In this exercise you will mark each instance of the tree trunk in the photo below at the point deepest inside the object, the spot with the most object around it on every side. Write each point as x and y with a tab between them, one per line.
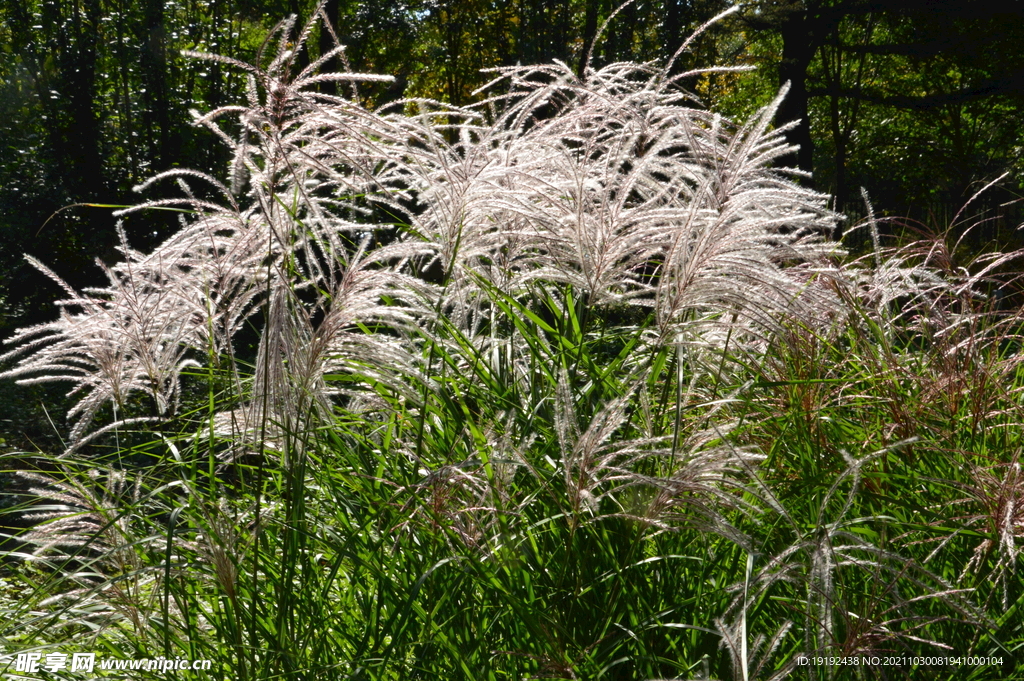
798	48
331	10
589	33
156	117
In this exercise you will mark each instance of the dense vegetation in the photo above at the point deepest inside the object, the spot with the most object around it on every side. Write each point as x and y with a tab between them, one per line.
569	377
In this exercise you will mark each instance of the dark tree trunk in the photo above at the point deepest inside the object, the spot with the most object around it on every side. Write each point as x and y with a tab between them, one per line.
589	33
76	130
798	48
672	29
156	116
331	10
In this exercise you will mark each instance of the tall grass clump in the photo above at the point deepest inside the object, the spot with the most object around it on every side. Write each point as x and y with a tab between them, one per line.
572	383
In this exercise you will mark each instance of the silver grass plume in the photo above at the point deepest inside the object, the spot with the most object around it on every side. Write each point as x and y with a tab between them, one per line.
288	250
84	519
654	481
620	185
615	183
131	336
